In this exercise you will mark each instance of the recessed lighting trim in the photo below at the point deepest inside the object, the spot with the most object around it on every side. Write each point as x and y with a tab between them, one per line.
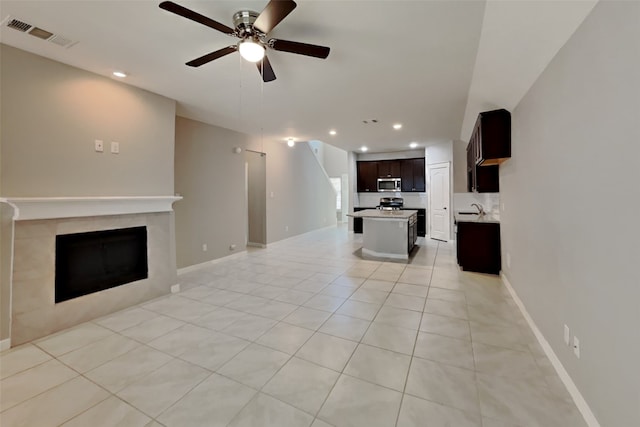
397	126
120	74
291	142
332	132
413	145
363	148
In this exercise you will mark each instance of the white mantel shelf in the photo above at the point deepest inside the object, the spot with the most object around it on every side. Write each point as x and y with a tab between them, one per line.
30	208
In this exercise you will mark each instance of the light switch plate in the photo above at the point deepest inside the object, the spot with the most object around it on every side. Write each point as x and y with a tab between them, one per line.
115	147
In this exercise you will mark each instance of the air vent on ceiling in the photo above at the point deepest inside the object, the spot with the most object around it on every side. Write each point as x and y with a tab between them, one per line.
43	34
18	25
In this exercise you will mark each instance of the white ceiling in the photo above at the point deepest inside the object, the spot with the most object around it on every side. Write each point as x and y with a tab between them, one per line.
430	65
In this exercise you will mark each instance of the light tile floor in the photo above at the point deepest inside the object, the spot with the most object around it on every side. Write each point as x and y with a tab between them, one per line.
303	333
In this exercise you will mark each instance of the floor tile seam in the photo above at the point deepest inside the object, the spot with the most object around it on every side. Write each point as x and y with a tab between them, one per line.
41	392
102	401
348	361
415	342
139	344
35	342
479	413
32	367
171	358
211	373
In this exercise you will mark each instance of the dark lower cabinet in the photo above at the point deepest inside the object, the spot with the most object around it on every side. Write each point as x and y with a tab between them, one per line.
478	247
357	222
421	225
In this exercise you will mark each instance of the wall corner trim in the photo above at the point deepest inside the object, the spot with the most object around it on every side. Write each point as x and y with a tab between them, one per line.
578	399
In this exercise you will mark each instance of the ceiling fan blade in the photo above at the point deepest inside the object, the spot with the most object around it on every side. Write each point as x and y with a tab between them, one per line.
195	16
300	48
211	56
273	13
264	67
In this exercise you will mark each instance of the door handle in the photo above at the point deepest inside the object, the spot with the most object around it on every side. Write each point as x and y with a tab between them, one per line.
445	208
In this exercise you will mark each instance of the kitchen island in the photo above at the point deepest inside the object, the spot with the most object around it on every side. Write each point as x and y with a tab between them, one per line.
388	233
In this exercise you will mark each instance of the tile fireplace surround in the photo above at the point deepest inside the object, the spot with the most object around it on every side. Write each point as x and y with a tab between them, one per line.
34	313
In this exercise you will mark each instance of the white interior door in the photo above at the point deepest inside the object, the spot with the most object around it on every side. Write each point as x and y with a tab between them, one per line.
440	212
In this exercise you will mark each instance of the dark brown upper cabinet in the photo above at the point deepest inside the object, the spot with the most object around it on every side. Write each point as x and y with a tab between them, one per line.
491	137
490	145
412	174
411	171
389	169
367	176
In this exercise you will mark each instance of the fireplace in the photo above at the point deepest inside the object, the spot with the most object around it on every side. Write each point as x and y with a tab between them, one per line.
95	261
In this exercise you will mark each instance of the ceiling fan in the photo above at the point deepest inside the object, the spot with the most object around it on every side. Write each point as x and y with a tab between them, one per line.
252	29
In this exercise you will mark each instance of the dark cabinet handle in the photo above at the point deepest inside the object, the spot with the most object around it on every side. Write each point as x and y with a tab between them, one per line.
445	208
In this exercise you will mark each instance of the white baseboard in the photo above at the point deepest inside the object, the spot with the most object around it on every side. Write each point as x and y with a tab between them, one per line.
5	344
578	399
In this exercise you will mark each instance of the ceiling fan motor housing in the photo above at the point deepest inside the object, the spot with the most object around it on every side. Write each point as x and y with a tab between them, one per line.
243	22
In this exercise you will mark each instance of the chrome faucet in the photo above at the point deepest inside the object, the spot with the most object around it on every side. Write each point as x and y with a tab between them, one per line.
480	208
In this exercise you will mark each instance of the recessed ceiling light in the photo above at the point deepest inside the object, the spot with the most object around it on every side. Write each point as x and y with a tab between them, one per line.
413	145
363	148
119	74
291	142
332	132
397	126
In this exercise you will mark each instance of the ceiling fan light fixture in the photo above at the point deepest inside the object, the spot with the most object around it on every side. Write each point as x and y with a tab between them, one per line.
250	50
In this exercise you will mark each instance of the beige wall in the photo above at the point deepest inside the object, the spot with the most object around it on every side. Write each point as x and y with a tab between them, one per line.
211	178
51	115
570	219
256	196
303	198
6	242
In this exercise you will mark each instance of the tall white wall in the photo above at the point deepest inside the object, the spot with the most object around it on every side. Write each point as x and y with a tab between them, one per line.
570	218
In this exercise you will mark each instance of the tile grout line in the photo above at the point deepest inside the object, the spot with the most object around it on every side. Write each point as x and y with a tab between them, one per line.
415	343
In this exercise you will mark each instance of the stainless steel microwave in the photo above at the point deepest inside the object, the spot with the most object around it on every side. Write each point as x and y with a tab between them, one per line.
389	184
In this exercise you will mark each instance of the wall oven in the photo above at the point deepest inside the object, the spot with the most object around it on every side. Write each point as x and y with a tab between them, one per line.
389	184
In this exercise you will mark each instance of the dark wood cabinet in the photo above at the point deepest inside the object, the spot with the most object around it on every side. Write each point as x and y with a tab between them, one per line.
411	171
388	168
357	222
492	137
367	176
490	145
413	175
478	247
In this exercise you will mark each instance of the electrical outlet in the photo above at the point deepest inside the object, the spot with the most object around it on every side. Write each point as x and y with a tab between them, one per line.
286	228
576	347
99	146
204	247
232	247
175	288
567	335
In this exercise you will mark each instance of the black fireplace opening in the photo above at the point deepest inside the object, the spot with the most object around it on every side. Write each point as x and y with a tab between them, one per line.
99	260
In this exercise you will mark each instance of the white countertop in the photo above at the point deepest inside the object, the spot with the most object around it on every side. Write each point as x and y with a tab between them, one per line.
486	218
380	214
